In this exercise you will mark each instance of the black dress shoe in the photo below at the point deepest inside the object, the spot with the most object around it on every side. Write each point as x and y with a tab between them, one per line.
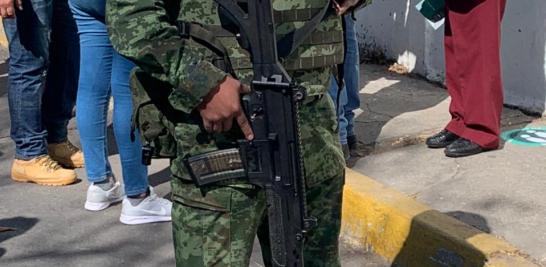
462	148
441	139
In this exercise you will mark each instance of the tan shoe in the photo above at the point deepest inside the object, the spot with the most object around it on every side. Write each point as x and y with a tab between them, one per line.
66	154
41	170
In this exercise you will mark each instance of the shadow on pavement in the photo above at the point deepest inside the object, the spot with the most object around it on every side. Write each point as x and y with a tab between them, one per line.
111	138
393	96
403	95
415	250
3	79
475	220
122	253
20	225
6	156
387	95
68	237
161	177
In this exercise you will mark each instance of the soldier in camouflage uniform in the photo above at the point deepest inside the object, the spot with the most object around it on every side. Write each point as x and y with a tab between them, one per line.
216	225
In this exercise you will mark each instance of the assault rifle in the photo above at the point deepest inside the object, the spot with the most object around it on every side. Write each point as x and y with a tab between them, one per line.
273	159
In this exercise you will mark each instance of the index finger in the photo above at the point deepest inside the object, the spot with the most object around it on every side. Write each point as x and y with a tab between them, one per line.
245	126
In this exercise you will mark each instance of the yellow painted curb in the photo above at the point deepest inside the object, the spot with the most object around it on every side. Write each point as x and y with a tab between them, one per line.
411	234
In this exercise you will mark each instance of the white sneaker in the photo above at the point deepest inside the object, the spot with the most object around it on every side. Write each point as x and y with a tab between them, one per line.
98	199
150	209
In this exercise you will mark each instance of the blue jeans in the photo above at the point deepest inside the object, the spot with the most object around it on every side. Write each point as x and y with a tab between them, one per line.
349	99
105	73
43	75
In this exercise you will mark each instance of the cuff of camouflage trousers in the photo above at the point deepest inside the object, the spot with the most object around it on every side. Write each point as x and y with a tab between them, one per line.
198	81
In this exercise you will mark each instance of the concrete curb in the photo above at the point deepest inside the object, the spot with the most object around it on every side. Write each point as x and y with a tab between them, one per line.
408	233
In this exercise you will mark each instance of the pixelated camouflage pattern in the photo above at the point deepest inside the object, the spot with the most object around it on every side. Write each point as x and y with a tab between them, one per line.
205	13
322	245
148	121
323	157
149	38
143	31
215	226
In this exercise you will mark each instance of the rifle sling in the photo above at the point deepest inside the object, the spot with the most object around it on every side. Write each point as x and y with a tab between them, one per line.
290	42
207	35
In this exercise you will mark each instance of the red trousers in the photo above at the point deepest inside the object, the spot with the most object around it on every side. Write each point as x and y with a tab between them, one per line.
473	69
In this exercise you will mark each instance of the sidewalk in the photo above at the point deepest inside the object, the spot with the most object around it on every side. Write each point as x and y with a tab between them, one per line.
499	192
401	110
53	229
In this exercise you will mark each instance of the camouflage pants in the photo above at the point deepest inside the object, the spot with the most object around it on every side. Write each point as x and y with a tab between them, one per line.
216	225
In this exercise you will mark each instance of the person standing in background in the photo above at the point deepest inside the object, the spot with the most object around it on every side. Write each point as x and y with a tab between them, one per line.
349	97
43	77
105	73
473	77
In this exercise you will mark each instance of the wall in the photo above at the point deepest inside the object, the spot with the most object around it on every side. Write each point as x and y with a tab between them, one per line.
396	29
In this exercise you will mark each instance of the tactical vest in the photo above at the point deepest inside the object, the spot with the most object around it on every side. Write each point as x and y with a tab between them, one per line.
321	48
153	115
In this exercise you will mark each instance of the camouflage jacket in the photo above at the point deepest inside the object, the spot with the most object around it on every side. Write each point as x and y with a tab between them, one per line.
145	32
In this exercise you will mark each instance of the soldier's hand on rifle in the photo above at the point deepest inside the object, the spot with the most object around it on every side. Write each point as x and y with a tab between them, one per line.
342	6
7	8
222	105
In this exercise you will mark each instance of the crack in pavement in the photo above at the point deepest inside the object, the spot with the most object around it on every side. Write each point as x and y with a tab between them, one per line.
456	173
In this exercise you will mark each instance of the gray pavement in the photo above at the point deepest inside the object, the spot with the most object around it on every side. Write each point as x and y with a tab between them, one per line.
500	192
401	110
53	229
